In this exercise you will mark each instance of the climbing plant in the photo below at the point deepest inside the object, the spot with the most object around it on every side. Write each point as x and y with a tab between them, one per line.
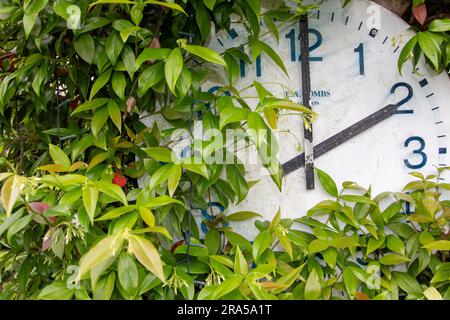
95	205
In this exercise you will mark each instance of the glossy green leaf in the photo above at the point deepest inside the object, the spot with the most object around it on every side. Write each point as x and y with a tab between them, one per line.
313	288
146	253
205	53
112	190
99	120
114	114
128	273
101	81
327	182
172	68
119	84
85	47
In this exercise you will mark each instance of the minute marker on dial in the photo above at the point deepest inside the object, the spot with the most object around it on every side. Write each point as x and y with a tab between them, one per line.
341	137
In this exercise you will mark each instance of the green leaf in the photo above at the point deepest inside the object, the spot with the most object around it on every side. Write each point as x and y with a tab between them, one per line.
242	216
90	105
170	5
56	291
313	288
119	84
129	60
156	229
203	20
288	279
114	114
112	190
39	78
8	222
199	168
395	244
99	119
147	216
174	179
59	157
238	240
227	286
351	281
146	253
232	114
101	81
213	241
128	274
18	226
430	46
9	193
58	243
85	47
374	244
90	197
172	68
152	54
240	264
317	246
105	287
406	52
160	154
327	182
106	249
343	242
115	213
162	201
407	283
442	245
258	46
237	181
150	76
255	5
210	4
113	47
160	176
281	235
32	9
357	199
262	241
432	294
205	53
392	259
275	103
440	25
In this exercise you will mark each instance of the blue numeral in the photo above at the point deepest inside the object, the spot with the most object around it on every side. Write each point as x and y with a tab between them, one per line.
258	67
291	36
360	50
292	39
418	151
405	100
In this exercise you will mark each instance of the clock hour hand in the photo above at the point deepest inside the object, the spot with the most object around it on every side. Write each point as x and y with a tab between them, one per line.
341	137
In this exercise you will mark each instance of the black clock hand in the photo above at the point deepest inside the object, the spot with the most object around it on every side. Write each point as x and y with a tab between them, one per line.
306	94
341	137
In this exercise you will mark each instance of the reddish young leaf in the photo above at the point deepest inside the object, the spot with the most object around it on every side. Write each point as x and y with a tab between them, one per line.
39	207
420	13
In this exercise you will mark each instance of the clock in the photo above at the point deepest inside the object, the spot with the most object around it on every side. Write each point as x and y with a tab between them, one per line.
374	125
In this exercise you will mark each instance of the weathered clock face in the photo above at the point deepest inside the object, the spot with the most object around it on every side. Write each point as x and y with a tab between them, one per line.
353	74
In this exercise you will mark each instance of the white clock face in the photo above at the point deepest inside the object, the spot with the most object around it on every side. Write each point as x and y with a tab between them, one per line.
353	74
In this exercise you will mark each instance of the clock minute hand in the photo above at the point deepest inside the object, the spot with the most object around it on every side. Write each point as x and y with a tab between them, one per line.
341	137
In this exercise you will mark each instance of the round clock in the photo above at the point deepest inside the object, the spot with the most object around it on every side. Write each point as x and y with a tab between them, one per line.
374	126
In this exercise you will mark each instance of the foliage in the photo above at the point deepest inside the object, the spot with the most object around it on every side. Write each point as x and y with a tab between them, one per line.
76	77
75	223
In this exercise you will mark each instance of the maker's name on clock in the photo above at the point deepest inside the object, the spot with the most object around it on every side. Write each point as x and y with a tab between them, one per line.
314	94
